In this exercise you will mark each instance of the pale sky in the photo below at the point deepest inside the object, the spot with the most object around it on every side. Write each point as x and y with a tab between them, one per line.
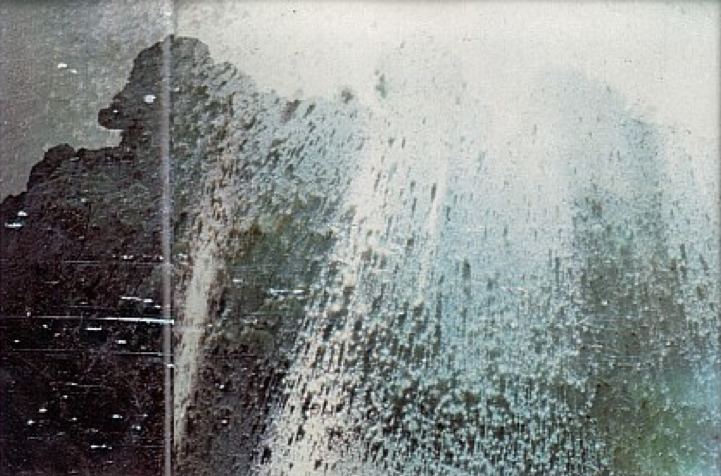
663	57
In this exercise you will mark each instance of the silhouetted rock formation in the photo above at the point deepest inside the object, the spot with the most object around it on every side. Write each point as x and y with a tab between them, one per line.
81	247
255	181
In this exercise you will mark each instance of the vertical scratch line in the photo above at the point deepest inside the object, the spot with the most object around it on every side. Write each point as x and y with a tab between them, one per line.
167	263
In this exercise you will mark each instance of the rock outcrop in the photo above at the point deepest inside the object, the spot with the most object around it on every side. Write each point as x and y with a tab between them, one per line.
255	180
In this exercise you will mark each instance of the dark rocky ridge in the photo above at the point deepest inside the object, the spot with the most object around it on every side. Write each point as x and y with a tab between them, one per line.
256	180
85	234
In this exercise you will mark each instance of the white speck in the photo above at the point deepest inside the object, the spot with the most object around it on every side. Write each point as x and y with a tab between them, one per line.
62	65
221	386
137	427
22	214
73	71
149	98
224	421
13	225
64	397
127	257
73	419
16	341
42	410
121	342
147	300
170	366
95	329
31	422
116	416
